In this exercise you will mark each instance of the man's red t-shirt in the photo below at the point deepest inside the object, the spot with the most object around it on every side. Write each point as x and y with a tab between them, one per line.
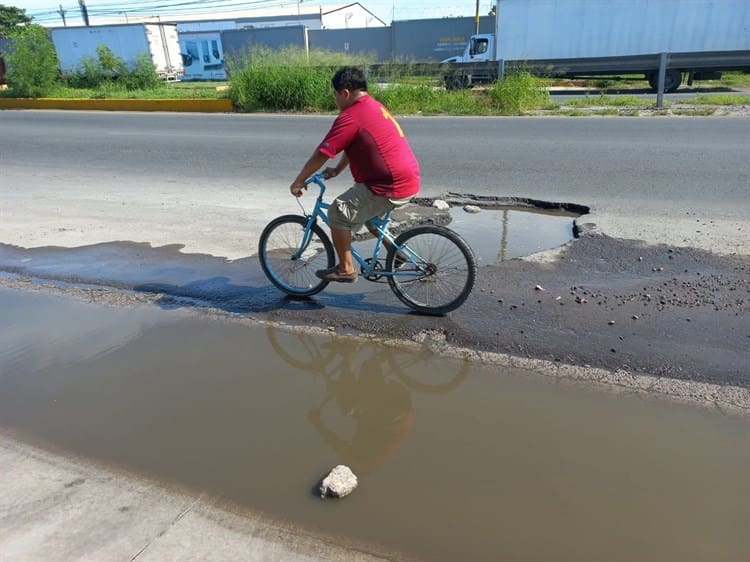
376	147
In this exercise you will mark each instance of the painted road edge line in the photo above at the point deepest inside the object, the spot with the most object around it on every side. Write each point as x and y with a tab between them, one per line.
223	105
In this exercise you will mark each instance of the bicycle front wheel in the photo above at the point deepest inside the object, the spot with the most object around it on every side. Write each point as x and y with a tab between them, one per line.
290	259
442	275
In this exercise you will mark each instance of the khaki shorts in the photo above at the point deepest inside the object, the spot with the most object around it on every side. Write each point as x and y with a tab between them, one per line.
353	208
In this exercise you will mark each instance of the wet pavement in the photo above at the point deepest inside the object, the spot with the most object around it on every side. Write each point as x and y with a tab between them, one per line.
598	302
517	466
139	338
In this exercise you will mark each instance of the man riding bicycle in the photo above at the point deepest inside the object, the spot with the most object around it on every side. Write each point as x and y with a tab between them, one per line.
385	170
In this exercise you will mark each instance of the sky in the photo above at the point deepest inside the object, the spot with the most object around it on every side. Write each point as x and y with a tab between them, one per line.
387	10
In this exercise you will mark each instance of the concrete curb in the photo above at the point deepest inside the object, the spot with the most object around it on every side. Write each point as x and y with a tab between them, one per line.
223	105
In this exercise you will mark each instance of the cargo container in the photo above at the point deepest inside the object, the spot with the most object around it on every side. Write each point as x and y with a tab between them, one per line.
158	40
576	38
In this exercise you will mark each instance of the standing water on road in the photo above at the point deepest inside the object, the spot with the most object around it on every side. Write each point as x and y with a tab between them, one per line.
456	461
499	235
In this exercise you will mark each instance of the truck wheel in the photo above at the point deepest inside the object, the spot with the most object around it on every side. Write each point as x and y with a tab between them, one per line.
456	82
672	80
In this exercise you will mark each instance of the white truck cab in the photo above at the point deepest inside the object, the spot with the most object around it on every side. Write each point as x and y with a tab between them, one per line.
480	48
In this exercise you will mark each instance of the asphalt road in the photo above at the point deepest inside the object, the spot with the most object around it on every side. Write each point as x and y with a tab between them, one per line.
663	160
652	167
677	187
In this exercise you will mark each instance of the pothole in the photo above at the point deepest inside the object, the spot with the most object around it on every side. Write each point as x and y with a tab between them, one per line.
498	228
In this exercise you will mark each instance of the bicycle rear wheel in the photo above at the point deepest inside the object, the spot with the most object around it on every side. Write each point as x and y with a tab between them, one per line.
288	265
443	276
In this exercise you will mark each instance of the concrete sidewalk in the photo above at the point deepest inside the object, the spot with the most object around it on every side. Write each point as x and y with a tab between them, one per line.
54	508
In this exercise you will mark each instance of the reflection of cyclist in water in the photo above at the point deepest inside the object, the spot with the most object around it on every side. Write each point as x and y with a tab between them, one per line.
381	408
374	393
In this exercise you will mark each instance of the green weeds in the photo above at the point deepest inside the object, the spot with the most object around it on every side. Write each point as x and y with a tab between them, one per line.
603	100
518	93
108	73
284	80
695	112
719	99
735	79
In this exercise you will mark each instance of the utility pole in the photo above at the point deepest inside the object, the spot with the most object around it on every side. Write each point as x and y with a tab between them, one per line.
84	12
476	22
62	15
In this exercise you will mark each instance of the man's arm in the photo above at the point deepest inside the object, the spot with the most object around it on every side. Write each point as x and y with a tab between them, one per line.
313	164
340	167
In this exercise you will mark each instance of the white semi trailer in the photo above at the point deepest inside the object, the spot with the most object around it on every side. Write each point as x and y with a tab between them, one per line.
576	38
158	40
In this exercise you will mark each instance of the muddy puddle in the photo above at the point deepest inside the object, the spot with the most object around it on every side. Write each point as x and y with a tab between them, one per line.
499	235
456	461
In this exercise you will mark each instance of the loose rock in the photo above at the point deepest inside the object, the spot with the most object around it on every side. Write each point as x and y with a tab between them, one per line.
440	205
339	483
472	208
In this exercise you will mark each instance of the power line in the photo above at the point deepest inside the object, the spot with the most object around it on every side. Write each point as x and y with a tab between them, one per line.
160	5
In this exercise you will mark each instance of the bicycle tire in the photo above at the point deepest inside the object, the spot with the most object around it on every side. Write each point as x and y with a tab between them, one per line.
446	274
278	243
425	371
306	352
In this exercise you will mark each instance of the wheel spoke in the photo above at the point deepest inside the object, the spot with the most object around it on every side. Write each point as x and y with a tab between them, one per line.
445	271
290	269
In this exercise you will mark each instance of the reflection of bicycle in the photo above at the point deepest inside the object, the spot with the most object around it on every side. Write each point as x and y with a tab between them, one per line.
430	268
420	370
367	410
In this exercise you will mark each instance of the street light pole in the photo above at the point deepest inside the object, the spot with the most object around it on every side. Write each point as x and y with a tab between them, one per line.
476	23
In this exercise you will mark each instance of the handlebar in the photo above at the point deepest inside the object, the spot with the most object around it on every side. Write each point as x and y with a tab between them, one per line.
318	180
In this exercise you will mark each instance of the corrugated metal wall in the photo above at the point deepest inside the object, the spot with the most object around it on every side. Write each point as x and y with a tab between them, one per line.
435	39
414	40
376	40
239	42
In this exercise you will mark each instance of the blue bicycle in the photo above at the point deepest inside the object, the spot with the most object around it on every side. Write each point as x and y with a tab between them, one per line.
430	268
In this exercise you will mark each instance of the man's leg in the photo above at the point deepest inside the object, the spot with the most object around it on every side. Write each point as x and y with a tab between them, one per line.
346	214
342	241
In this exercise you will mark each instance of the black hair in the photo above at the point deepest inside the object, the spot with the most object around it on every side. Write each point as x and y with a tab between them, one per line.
349	77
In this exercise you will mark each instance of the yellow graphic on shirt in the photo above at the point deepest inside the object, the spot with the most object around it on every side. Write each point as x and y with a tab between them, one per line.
387	115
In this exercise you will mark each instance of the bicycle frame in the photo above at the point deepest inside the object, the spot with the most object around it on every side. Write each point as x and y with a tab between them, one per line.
380	224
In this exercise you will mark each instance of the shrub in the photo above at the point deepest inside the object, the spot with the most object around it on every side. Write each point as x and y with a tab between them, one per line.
404	98
287	79
32	62
518	92
282	88
143	75
110	64
108	72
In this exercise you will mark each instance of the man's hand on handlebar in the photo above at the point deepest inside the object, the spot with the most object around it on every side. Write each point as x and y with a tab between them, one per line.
298	188
330	172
